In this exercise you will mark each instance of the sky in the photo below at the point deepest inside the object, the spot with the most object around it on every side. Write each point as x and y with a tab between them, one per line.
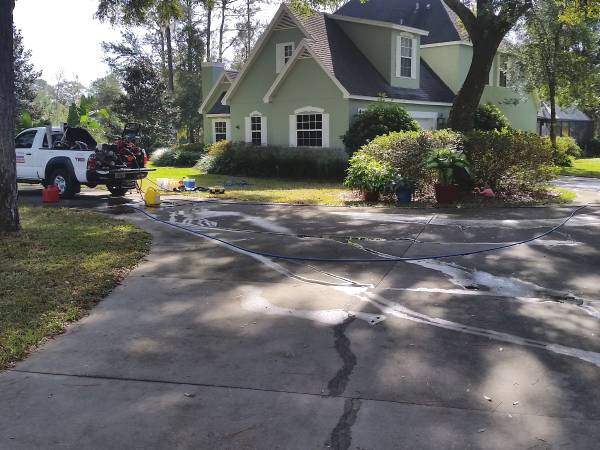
66	37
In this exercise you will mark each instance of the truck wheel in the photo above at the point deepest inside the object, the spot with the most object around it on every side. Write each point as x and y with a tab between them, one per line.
67	188
117	191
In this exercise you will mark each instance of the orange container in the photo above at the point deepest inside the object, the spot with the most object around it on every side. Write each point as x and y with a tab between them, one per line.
50	194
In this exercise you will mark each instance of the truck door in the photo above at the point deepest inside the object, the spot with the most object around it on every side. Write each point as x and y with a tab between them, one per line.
25	154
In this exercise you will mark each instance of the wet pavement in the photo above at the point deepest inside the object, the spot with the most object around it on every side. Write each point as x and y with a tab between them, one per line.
211	344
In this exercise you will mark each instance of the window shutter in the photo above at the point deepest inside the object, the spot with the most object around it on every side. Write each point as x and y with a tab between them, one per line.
325	130
398	54
228	129
292	130
263	130
415	58
248	129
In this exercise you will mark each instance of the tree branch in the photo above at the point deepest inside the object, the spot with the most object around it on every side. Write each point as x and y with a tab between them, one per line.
464	13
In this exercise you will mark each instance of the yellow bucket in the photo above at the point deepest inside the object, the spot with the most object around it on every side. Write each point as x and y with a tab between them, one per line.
152	197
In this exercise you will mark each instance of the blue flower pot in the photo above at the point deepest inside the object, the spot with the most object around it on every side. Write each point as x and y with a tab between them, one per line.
404	195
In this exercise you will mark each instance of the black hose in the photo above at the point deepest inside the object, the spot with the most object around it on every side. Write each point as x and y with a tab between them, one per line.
361	260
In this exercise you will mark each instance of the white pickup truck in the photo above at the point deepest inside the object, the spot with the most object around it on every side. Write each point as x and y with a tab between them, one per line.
71	157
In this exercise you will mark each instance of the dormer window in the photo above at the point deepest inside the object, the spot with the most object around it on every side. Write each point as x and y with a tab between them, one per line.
405	57
283	53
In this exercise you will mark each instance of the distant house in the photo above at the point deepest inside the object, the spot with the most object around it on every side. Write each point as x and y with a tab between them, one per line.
569	122
309	75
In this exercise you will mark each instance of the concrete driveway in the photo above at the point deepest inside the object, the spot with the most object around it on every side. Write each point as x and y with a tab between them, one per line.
586	188
208	346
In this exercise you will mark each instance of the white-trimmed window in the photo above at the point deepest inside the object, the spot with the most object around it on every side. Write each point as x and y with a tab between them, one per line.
256	129
221	130
283	53
309	127
406	56
503	67
490	80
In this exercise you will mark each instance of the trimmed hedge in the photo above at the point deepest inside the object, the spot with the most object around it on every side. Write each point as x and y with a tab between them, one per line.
509	161
243	159
407	151
184	155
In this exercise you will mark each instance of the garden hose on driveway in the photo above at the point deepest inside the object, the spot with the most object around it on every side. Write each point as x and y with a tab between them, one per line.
382	258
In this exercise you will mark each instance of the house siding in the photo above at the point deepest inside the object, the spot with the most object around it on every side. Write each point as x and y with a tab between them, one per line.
452	62
207	121
261	74
295	93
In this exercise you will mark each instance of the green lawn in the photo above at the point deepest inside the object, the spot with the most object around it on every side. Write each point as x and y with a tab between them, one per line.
52	272
589	167
306	192
261	189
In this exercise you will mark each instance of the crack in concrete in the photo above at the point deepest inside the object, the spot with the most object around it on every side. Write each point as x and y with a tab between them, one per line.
341	436
337	385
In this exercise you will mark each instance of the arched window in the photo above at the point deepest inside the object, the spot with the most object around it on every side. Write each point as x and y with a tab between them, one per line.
256	128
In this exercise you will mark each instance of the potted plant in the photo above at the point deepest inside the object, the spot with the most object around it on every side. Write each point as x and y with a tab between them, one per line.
403	188
446	161
369	176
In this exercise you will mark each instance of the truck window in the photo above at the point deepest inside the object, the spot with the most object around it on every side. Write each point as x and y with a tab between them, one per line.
56	137
25	139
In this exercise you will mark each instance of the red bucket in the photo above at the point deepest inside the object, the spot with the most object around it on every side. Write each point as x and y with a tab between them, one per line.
50	194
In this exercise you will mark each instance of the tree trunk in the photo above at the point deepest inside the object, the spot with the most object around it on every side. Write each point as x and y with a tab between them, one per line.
171	84
248	29
552	95
208	32
222	29
163	60
468	97
9	212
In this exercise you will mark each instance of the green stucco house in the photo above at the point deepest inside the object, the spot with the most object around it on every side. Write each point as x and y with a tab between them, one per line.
310	75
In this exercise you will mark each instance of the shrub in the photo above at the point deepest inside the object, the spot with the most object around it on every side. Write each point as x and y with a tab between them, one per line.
378	119
510	161
367	174
184	155
489	117
566	151
243	159
407	152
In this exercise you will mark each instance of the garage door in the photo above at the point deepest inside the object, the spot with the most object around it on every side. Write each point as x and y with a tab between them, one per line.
426	124
427	120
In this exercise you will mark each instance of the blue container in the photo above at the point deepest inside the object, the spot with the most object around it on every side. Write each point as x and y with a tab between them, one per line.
404	195
189	183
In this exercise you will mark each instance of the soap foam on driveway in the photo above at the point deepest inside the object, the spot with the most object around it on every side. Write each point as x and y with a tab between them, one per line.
206	347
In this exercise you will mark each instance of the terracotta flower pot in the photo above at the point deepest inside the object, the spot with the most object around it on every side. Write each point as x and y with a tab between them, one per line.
446	193
370	196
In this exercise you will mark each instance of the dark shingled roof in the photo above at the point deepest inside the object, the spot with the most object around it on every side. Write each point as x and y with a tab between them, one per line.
571	114
349	65
231	74
438	19
218	107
